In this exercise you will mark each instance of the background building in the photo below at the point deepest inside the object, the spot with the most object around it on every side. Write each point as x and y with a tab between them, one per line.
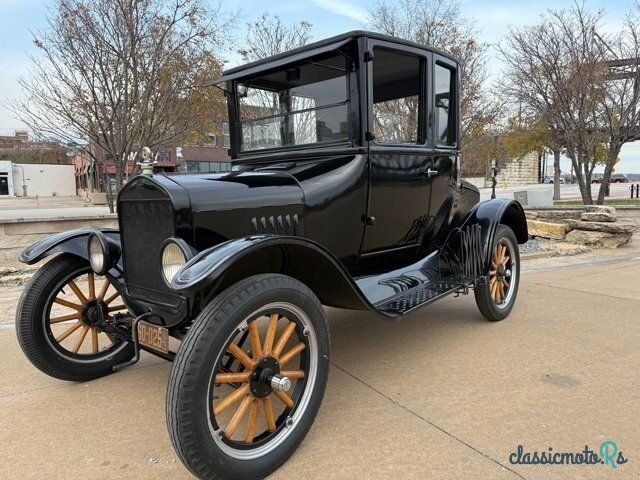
93	175
34	168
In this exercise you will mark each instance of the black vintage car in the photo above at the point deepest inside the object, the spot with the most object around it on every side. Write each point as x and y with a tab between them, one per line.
345	191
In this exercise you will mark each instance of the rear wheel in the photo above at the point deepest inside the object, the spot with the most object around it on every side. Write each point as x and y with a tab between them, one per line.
248	379
496	297
57	321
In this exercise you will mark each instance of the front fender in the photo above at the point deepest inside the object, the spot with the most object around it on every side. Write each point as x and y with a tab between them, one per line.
72	241
218	267
491	213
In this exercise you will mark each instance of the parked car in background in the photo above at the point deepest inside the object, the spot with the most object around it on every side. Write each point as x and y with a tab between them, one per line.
549	179
597	178
619	178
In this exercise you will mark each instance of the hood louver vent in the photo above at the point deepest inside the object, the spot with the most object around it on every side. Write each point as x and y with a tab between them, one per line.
280	224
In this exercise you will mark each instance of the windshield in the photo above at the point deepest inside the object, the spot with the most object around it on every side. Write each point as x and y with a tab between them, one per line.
302	104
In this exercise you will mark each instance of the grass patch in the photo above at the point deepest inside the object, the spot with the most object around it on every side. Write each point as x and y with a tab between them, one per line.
607	201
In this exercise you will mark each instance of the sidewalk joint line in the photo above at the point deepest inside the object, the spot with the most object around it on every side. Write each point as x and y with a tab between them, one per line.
582	291
451	435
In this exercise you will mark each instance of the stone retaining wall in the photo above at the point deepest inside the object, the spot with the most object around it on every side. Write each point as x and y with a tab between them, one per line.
15	236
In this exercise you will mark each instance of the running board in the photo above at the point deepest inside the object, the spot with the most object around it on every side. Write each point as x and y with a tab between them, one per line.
422	295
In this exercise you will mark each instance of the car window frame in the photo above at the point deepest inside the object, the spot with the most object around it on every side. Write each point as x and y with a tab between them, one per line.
234	114
454	119
425	102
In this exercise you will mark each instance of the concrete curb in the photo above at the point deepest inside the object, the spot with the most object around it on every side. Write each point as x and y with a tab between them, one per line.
63	218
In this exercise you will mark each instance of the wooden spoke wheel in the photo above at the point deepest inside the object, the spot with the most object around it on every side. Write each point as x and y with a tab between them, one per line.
260	379
495	297
500	274
248	379
76	311
59	320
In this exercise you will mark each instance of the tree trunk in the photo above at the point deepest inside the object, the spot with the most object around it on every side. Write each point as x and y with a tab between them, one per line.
582	175
556	174
120	168
587	197
106	182
608	169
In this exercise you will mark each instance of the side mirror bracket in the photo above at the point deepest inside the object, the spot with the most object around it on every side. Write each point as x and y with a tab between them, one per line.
368	56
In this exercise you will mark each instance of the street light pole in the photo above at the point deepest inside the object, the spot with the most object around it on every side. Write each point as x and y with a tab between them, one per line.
494	171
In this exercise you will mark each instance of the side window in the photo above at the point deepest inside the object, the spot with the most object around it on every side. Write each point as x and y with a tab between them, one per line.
444	104
396	97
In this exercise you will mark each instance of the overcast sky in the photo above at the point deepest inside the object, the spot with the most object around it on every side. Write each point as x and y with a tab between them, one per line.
18	18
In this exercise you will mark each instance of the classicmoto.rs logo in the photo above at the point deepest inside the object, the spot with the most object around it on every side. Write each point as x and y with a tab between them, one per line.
608	454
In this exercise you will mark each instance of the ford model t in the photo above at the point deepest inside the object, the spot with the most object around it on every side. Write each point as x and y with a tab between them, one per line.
345	191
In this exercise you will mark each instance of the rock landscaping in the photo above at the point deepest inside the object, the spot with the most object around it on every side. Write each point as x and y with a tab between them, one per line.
555	231
595	226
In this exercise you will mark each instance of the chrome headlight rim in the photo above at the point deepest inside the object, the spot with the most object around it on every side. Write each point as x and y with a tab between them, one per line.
101	265
187	254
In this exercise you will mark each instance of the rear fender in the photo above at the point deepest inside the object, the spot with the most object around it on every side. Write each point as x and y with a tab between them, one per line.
72	241
489	215
218	267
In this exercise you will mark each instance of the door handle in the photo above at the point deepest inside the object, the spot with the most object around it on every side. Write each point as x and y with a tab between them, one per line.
431	173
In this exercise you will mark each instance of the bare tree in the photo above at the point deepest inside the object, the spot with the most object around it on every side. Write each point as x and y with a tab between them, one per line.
268	36
439	23
560	69
619	96
122	74
265	37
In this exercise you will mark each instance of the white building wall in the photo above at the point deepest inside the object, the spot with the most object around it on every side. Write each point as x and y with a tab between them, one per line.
44	180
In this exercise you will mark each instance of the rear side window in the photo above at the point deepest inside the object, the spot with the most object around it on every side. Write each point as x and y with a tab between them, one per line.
396	97
444	103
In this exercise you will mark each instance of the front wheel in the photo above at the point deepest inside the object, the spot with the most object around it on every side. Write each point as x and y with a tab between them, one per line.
58	321
496	297
248	379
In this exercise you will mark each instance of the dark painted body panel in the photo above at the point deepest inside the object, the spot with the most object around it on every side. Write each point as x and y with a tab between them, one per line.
399	196
71	241
360	223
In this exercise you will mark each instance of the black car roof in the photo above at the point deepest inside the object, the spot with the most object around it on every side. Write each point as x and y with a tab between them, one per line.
274	60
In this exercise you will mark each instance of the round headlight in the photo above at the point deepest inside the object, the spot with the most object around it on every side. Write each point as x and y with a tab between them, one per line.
174	256
97	254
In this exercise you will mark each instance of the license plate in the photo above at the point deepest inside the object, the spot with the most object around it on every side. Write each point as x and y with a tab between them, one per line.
153	336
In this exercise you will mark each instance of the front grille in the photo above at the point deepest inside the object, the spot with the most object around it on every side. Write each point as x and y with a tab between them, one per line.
145	224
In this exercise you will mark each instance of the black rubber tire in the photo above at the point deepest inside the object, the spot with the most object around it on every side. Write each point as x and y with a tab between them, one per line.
482	292
193	366
31	331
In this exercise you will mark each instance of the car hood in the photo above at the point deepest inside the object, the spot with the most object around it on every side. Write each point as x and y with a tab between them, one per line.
239	190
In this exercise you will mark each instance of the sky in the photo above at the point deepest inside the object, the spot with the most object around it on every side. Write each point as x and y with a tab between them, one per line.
493	18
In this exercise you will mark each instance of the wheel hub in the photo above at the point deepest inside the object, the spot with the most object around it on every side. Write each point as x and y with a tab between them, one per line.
265	378
94	312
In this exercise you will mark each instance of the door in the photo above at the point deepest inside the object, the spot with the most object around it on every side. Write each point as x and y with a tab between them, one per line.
4	183
400	164
445	139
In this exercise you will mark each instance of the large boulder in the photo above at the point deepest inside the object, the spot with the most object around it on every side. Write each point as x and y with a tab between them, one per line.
598	217
555	231
559	215
617	227
598	239
598	213
600	209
